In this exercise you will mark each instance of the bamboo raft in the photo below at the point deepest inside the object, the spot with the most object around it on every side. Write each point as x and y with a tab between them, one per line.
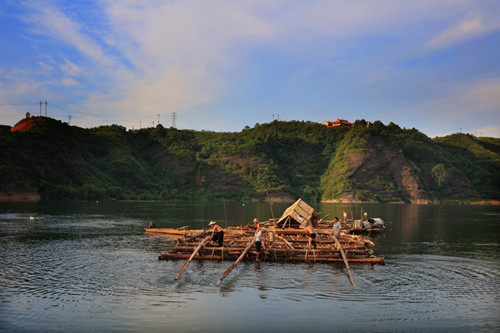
286	240
285	245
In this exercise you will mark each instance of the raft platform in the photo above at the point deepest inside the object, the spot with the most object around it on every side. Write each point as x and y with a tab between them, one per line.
285	245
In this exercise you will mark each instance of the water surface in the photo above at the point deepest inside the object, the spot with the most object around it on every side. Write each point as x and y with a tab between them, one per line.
89	266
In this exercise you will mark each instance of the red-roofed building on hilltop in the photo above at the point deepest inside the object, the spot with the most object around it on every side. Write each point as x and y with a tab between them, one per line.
23	125
338	122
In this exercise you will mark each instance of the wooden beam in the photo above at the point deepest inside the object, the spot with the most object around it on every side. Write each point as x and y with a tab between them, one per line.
202	243
344	257
230	268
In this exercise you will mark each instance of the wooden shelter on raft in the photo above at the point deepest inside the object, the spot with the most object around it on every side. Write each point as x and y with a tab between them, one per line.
299	214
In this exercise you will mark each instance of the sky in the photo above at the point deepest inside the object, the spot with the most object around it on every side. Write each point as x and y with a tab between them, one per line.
222	65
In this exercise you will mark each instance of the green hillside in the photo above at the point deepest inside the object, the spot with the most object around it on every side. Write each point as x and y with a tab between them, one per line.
287	160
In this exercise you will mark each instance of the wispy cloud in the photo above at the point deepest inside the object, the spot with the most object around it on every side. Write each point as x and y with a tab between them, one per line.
465	30
49	20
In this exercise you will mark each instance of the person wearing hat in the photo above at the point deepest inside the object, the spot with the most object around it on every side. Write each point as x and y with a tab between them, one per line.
257	223
217	233
259	240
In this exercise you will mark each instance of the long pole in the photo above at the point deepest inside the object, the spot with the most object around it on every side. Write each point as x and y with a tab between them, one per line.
186	264
233	265
270	204
324	217
344	257
225	215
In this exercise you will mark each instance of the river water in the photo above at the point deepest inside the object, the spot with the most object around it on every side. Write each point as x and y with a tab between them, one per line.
80	267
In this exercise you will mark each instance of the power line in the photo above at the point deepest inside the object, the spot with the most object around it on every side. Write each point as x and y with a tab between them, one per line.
13	104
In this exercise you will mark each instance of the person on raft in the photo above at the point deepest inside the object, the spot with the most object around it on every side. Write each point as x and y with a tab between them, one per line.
259	239
314	218
217	233
151	225
336	227
311	234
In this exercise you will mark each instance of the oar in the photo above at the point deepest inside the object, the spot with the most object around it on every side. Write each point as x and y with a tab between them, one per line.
202	243
344	257
233	265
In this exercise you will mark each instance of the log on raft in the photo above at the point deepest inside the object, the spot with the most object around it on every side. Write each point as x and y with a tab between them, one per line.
285	245
269	257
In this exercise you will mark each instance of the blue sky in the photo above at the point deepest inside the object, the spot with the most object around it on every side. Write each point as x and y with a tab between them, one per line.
222	65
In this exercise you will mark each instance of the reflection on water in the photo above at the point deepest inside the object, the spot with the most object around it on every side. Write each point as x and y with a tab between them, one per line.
89	266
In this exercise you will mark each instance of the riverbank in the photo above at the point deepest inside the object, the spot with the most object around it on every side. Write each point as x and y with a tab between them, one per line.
18	194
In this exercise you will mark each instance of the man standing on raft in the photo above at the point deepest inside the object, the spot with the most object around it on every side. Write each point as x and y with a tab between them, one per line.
259	238
311	234
217	233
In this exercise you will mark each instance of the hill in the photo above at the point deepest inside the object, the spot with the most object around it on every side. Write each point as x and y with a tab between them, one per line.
371	162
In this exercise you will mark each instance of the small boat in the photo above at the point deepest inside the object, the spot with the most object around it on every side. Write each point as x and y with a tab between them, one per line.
180	232
369	226
186	232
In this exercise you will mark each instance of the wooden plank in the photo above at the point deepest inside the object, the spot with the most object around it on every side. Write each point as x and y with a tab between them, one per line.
325	259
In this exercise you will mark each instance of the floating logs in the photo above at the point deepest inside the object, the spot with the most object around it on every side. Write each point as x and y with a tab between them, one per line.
281	244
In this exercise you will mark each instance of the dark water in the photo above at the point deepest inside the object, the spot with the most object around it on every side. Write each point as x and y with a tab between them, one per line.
79	267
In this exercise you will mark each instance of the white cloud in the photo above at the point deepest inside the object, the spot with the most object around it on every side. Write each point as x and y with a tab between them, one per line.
490	131
49	20
69	82
466	100
70	68
485	94
176	51
465	30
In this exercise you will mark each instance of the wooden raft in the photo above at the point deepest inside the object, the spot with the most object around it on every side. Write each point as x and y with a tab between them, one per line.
282	245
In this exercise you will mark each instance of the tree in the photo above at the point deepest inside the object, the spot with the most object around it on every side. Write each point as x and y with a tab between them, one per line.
440	175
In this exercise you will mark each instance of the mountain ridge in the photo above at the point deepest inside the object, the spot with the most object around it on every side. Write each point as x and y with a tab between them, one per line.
370	162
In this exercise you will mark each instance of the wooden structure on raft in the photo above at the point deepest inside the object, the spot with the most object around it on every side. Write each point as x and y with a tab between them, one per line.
286	241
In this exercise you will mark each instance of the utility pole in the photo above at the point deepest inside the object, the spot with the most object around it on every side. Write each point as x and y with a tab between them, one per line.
174	117
45	108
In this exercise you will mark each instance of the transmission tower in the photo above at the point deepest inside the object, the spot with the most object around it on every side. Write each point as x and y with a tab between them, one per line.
174	117
46	103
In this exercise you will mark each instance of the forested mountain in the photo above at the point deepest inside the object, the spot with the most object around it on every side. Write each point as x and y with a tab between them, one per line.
285	160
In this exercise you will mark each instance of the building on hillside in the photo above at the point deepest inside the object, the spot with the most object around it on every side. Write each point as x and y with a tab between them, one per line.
5	128
23	125
338	122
